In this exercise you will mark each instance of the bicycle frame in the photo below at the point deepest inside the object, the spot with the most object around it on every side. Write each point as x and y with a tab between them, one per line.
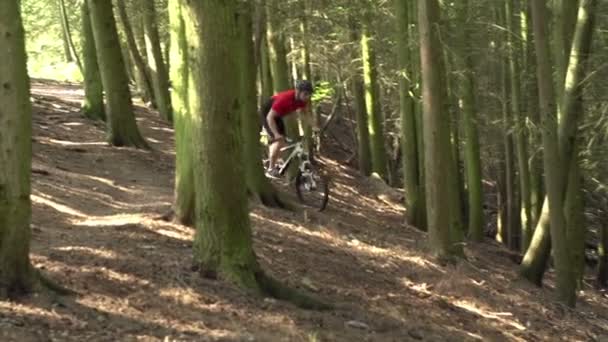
299	153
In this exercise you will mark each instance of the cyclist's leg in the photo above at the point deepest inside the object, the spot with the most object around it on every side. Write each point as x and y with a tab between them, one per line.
275	145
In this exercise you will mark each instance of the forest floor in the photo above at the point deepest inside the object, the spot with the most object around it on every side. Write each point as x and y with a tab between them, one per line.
96	230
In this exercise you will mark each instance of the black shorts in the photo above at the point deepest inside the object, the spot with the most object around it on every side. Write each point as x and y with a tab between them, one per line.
264	113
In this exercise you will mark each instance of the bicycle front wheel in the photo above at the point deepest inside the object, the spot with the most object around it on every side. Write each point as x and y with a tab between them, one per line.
312	189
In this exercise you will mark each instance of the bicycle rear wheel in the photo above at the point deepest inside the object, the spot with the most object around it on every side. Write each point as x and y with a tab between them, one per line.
312	189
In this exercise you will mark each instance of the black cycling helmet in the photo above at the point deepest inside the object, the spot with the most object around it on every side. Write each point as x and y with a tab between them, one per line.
304	85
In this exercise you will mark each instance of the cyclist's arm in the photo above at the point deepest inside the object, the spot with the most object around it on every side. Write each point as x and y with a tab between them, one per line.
272	123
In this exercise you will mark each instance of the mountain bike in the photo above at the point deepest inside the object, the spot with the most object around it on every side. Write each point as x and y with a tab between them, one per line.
312	187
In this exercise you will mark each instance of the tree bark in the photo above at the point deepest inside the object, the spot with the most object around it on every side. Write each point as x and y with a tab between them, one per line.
156	65
143	77
92	106
121	125
408	121
363	143
16	273
436	139
182	116
372	99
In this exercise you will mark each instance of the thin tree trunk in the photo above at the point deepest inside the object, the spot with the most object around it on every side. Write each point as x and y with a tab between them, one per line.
363	146
509	226
279	67
92	106
143	75
156	65
602	270
71	49
257	184
372	100
313	122
408	121
183	117
521	143
64	33
469	115
121	125
417	79
436	133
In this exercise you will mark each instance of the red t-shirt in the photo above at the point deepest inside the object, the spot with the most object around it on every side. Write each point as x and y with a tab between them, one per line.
285	102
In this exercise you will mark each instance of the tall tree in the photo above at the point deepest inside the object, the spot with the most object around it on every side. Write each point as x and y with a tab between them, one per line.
92	105
223	241
143	77
517	113
363	144
257	183
436	139
408	121
468	110
278	65
121	125
16	272
182	116
560	146
372	96
156	65
602	274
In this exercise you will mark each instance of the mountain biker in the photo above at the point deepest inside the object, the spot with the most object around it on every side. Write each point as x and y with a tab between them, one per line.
272	113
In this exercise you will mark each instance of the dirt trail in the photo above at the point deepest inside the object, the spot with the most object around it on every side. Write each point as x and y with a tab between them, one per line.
94	231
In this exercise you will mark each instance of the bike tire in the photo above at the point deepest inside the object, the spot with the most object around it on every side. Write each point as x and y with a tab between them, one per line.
320	195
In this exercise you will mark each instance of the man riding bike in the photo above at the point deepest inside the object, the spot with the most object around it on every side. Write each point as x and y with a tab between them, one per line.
272	113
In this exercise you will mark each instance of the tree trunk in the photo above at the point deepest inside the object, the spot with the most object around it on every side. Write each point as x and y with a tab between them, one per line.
71	49
69	57
416	77
455	180
363	146
223	241
267	84
469	116
571	111
122	128
372	99
530	99
602	271
408	121
279	67
559	146
143	77
183	118
257	183
92	106
16	272
261	50
564	21
553	166
156	65
536	258
436	133
314	119
509	228
524	222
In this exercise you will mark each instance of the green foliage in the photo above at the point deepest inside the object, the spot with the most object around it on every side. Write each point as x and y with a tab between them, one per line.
323	90
44	42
